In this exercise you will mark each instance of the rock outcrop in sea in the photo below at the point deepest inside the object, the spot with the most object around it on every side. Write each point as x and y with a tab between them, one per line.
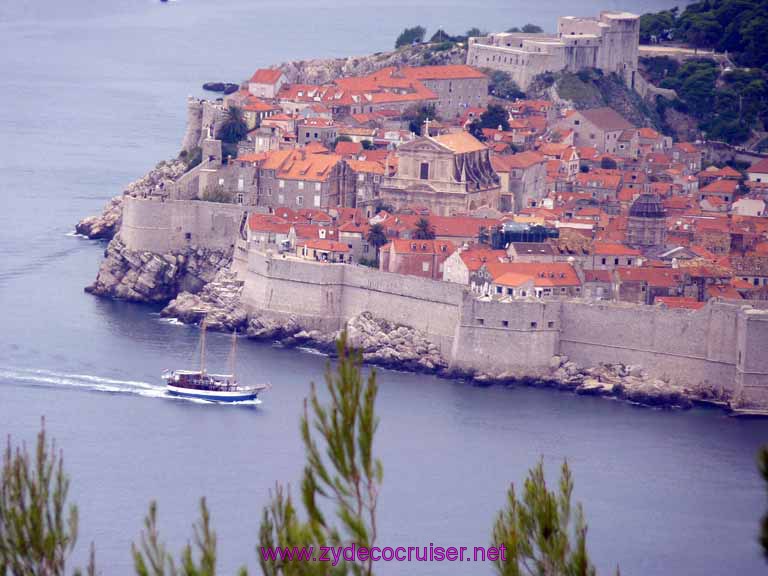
155	278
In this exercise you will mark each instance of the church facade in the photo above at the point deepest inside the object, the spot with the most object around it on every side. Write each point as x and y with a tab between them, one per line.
449	174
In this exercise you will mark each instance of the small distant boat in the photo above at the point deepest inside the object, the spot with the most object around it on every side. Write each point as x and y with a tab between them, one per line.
206	386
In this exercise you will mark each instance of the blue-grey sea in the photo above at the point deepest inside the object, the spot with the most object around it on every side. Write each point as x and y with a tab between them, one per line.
92	94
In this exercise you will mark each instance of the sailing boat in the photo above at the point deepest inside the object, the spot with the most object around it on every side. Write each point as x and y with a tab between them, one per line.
207	386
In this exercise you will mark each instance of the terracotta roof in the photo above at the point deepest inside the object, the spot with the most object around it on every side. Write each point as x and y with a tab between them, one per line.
606	119
661	277
648	133
366	166
614	249
268	223
325	245
520	161
348	148
679	302
720	187
460	142
475	257
597	276
266	76
760	167
543	274
461	226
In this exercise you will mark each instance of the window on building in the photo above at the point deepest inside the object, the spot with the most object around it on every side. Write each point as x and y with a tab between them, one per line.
425	266
550	324
307	134
424	171
317	186
480	321
591	136
301	185
281	183
534	324
221	181
280	199
499	289
505	323
240	184
240	198
315	134
603	261
629	261
299	200
361	177
615	261
316	201
269	191
187	235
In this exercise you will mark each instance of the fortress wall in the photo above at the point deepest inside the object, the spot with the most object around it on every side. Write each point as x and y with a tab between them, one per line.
159	226
427	305
519	337
691	348
752	367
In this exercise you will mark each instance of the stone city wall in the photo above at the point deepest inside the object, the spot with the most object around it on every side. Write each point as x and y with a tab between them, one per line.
160	226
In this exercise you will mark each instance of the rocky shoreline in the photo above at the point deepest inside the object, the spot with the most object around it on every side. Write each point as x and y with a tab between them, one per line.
401	347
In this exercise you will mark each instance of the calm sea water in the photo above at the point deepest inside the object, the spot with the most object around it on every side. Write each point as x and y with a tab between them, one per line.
92	95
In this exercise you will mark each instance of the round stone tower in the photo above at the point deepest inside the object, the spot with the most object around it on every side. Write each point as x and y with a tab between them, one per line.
193	133
647	224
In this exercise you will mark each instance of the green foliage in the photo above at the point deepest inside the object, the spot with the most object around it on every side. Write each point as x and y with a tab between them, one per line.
475	32
424	230
501	85
38	529
381	205
542	532
726	110
608	163
657	27
150	557
216	194
366	144
376	236
410	36
762	462
494	117
657	68
342	138
234	127
192	158
739	27
341	473
416	115
370	262
532	29
580	89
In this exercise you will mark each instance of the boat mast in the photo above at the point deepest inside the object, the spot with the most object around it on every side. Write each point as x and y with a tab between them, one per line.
202	345
234	354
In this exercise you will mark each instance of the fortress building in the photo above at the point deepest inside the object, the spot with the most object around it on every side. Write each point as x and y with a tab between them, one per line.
608	42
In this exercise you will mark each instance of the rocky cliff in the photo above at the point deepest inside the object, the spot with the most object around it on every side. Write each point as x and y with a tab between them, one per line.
148	277
107	224
321	71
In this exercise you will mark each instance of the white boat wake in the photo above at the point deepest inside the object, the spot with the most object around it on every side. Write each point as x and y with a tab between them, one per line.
90	382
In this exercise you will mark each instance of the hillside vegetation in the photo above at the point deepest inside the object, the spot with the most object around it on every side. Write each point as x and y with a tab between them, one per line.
730	104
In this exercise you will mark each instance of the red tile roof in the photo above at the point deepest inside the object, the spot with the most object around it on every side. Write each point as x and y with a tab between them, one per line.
266	76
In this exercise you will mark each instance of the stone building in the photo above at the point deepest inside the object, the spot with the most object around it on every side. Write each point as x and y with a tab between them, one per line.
317	130
601	128
647	222
423	258
609	42
447	174
523	180
266	82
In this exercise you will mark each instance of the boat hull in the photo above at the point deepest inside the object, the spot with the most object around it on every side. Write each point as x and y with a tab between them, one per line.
213	395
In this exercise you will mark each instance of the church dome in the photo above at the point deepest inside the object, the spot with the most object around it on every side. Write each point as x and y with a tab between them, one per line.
647	206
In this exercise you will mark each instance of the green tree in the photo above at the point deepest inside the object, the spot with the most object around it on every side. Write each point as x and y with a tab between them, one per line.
483	235
501	85
410	36
38	527
367	144
341	474
762	459
475	32
150	557
542	532
234	128
532	29
376	237
417	115
424	230
608	163
494	117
